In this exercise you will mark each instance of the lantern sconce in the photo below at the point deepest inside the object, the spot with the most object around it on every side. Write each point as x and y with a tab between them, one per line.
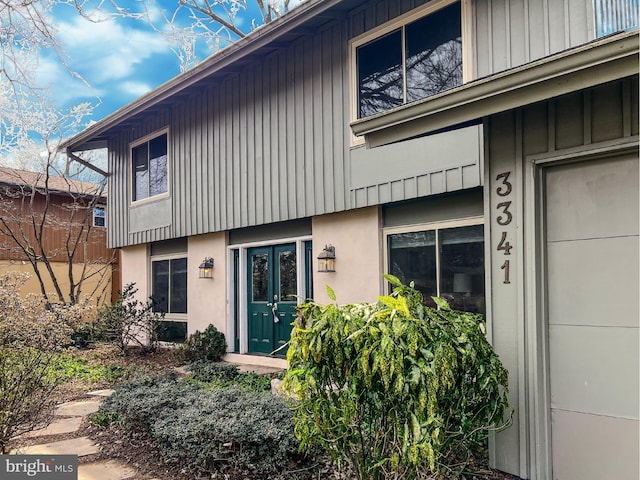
206	268
327	259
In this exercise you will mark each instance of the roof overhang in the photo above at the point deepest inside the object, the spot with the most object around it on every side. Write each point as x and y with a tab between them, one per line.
303	18
595	63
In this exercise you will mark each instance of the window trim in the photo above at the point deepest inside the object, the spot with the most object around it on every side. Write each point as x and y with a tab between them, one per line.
466	31
182	317
94	216
147	138
421	227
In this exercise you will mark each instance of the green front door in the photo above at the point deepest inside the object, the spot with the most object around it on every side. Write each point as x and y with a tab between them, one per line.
272	288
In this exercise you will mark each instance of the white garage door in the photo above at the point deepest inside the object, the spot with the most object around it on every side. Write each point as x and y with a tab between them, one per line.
593	288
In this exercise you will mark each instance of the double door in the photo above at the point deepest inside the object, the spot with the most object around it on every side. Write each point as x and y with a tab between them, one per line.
272	277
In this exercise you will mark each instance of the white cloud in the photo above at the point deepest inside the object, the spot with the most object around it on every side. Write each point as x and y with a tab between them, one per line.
135	89
109	50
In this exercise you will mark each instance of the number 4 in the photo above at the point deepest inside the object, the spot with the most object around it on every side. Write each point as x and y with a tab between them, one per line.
504	244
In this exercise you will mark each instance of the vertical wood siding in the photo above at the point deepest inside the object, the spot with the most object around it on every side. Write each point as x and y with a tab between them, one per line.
514	32
270	142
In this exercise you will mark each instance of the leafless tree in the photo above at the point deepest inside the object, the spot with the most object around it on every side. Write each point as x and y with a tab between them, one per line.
47	219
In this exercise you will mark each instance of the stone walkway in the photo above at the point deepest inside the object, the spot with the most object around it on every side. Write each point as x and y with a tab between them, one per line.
67	420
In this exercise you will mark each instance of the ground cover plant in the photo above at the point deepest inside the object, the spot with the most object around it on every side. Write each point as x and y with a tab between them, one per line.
395	389
206	430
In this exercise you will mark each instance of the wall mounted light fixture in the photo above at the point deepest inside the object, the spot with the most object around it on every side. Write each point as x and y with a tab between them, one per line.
206	268
327	259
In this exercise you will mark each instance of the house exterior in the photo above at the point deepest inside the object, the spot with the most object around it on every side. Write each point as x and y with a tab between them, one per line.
72	218
492	160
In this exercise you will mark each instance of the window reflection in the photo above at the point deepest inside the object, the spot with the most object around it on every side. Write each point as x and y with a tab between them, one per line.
454	271
380	74
430	63
434	53
150	168
260	277
288	275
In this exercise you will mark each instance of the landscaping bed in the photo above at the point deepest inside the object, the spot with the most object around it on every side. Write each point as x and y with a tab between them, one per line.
120	441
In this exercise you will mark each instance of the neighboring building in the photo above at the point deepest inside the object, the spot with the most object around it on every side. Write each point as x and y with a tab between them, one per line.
72	218
487	150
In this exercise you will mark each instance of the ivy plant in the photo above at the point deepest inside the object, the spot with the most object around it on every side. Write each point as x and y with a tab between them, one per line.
395	389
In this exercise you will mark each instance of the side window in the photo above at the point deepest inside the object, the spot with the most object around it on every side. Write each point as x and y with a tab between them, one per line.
169	285
615	15
443	262
420	58
150	167
99	216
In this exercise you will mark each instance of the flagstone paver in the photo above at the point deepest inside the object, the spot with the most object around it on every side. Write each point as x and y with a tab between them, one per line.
58	426
105	470
80	446
79	408
69	417
101	393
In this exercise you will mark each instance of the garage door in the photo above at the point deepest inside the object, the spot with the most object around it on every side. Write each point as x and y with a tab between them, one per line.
591	212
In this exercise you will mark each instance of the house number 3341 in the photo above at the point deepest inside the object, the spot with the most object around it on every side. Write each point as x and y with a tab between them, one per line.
504	218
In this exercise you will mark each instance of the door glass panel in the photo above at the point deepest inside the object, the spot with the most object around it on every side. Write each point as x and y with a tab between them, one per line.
462	267
260	277
288	275
412	258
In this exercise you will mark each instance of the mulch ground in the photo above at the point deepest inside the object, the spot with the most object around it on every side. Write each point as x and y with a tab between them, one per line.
116	444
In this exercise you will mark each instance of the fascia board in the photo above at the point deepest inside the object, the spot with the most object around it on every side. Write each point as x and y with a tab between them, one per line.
589	65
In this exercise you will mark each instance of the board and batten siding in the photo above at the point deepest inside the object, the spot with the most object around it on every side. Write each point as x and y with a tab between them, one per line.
262	145
591	121
510	33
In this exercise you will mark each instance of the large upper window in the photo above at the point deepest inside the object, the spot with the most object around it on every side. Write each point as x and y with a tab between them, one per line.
419	58
442	262
149	163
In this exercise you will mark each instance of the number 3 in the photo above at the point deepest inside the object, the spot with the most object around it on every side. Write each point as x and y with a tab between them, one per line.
505	182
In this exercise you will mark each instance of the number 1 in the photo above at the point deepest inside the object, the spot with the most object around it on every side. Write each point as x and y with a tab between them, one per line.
505	267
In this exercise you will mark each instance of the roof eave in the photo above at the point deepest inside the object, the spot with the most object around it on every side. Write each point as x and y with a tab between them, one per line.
216	62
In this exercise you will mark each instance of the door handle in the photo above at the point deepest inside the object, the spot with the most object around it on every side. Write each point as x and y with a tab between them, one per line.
274	311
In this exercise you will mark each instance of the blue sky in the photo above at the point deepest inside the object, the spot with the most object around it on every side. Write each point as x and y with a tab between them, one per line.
120	59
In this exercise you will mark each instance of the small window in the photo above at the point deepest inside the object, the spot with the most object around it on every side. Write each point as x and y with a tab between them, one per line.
420	58
443	262
613	16
99	216
149	164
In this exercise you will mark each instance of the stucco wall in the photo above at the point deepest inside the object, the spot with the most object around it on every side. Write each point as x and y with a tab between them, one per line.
207	297
134	270
357	239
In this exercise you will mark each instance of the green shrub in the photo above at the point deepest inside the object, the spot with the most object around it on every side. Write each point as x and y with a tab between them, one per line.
209	344
395	389
222	375
230	425
206	428
129	322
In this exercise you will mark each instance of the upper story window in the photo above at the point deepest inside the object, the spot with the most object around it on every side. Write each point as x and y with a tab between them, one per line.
150	167
409	59
99	216
615	15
